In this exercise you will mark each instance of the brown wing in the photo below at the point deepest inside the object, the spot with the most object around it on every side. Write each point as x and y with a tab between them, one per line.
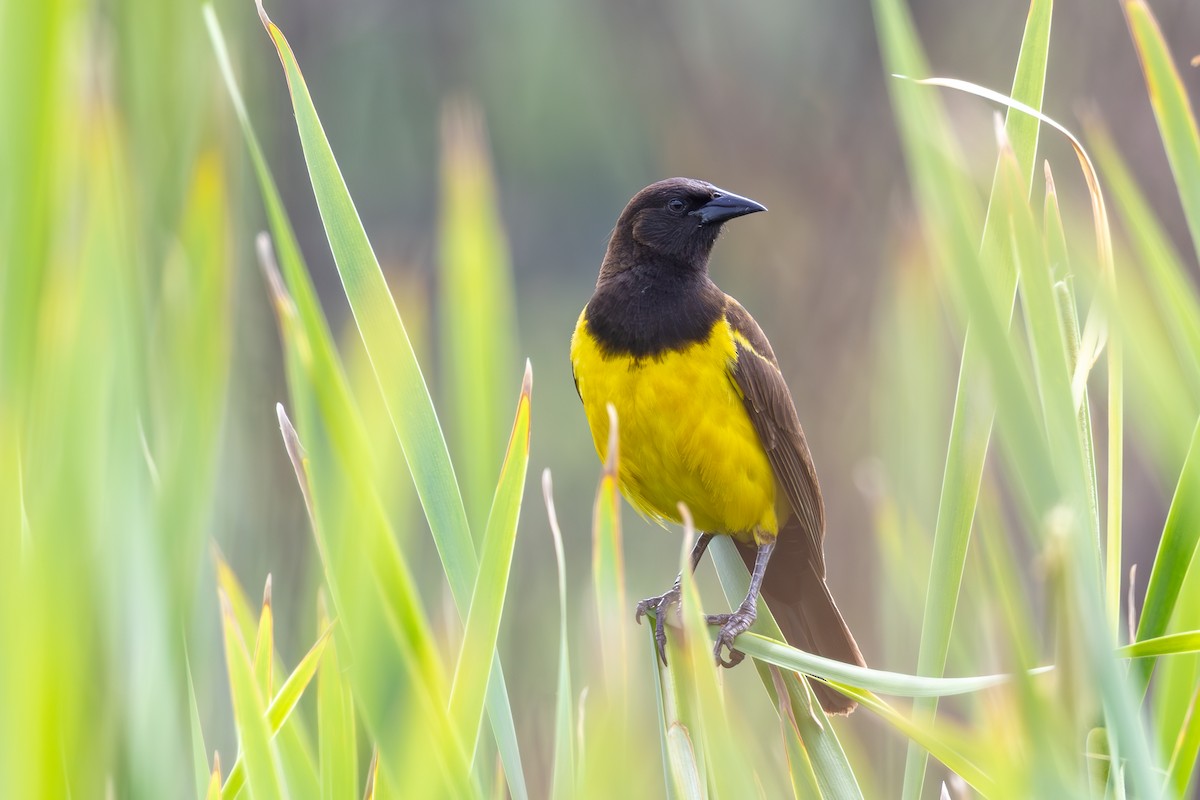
769	403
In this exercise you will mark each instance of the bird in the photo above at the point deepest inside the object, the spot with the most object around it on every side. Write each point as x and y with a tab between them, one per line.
706	419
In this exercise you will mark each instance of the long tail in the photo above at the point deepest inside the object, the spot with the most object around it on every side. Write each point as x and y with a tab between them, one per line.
805	611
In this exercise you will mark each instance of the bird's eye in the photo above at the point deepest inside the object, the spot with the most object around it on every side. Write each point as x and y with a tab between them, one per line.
676	206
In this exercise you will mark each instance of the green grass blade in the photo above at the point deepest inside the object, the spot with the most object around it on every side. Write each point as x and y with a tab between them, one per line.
800	766
299	283
336	729
834	774
669	748
366	572
264	645
608	564
1171	644
199	752
1182	763
728	762
562	782
491	587
925	131
449	526
289	693
1175	556
1029	84
282	705
386	627
1168	278
946	748
895	684
1172	109
683	766
401	382
213	792
256	754
476	306
400	379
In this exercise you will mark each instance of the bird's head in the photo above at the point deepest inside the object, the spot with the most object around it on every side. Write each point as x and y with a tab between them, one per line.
678	219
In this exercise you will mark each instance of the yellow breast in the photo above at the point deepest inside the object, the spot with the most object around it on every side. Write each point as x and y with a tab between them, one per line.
684	433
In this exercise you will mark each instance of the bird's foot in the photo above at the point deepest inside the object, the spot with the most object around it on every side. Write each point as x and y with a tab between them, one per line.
731	626
659	606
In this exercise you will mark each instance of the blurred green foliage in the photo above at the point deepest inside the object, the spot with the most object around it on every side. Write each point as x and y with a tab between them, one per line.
140	368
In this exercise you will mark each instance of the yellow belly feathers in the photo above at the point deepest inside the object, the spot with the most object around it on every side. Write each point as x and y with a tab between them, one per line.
684	433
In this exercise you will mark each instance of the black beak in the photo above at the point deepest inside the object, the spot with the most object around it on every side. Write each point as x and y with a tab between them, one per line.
725	206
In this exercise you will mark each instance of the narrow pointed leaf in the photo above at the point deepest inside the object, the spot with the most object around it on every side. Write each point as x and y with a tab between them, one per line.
562	782
337	749
259	772
264	645
1172	109
491	587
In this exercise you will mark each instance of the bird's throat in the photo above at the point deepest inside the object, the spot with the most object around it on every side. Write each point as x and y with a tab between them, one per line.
653	308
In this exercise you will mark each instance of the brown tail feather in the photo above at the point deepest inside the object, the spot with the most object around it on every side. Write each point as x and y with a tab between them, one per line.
806	613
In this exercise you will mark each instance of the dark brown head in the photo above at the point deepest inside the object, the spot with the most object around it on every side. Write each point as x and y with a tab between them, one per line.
677	219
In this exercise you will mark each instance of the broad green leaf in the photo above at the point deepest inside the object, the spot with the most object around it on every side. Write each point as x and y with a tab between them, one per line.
491	586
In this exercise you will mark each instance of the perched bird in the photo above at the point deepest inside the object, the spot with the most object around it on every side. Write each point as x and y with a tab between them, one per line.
705	417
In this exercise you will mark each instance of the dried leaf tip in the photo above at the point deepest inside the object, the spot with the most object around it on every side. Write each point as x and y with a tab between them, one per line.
262	14
1050	190
270	270
1195	62
267	592
290	438
527	380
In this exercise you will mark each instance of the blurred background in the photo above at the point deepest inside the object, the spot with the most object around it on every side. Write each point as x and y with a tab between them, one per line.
583	104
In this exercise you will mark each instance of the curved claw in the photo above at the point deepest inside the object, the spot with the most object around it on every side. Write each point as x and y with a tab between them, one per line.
732	625
735	656
660	635
660	606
